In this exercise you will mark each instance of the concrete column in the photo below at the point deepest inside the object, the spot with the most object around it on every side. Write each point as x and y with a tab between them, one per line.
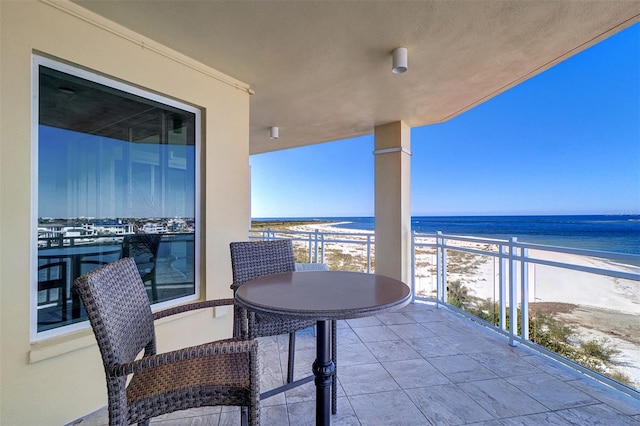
393	201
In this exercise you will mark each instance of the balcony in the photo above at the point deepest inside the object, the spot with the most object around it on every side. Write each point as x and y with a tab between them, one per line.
434	361
424	365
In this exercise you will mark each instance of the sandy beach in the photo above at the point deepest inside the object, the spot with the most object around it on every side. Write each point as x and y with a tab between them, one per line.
597	306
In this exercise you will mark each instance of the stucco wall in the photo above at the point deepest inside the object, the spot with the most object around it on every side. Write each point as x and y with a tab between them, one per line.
56	381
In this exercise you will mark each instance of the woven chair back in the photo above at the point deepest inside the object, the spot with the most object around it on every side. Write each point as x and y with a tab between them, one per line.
254	259
119	311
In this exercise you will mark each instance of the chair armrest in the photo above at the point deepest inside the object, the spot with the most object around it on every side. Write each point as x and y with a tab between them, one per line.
220	347
191	307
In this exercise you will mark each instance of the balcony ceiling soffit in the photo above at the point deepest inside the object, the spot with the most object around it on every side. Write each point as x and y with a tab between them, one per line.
321	71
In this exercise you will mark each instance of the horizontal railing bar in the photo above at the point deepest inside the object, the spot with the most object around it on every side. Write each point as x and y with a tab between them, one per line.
284	236
476	251
580	268
345	241
463	238
582	252
360	234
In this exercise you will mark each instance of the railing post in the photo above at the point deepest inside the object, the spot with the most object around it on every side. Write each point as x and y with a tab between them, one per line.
502	291
513	292
311	246
368	254
440	269
413	266
524	297
322	246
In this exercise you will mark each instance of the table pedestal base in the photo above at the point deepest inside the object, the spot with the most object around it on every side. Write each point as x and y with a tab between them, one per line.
323	370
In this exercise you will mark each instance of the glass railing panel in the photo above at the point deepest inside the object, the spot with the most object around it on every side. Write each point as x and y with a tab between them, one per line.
589	318
349	254
58	267
473	284
425	271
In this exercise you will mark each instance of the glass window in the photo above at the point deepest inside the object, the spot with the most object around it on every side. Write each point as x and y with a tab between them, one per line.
116	177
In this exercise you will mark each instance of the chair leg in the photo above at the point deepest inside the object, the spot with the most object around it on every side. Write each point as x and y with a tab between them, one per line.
244	416
292	353
334	356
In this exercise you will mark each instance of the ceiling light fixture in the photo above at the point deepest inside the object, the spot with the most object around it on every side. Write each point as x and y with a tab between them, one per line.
274	132
399	60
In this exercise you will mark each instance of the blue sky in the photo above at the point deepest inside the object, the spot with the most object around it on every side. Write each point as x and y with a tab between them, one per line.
564	142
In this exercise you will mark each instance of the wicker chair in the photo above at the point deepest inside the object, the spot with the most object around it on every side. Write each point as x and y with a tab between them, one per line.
254	259
218	373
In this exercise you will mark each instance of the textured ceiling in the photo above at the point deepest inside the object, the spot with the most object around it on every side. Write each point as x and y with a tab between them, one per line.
321	70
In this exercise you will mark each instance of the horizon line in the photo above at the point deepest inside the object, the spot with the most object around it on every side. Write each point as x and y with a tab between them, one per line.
451	215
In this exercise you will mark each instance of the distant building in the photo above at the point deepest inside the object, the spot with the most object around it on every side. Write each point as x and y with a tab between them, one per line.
154	228
110	227
51	230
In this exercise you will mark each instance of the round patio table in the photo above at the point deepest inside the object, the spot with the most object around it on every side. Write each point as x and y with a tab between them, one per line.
323	296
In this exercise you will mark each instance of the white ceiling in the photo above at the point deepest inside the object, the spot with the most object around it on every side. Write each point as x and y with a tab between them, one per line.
321	70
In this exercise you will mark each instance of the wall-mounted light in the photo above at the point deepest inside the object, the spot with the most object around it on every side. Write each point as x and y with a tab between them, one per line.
400	63
273	131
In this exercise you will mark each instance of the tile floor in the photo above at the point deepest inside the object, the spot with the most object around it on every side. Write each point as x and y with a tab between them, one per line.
424	366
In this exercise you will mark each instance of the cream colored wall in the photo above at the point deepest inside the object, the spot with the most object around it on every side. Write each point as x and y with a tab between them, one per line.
56	381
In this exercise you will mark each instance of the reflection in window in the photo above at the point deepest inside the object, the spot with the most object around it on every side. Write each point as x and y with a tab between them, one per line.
116	178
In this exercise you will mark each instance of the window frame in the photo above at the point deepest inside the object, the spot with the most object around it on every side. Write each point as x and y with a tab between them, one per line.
77	71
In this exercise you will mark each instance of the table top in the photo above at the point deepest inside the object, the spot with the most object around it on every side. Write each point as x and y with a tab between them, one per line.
323	294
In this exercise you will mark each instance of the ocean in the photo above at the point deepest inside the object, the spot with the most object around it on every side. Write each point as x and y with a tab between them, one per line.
612	233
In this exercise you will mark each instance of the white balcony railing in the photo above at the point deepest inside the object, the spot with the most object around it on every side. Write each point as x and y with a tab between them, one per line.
581	307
